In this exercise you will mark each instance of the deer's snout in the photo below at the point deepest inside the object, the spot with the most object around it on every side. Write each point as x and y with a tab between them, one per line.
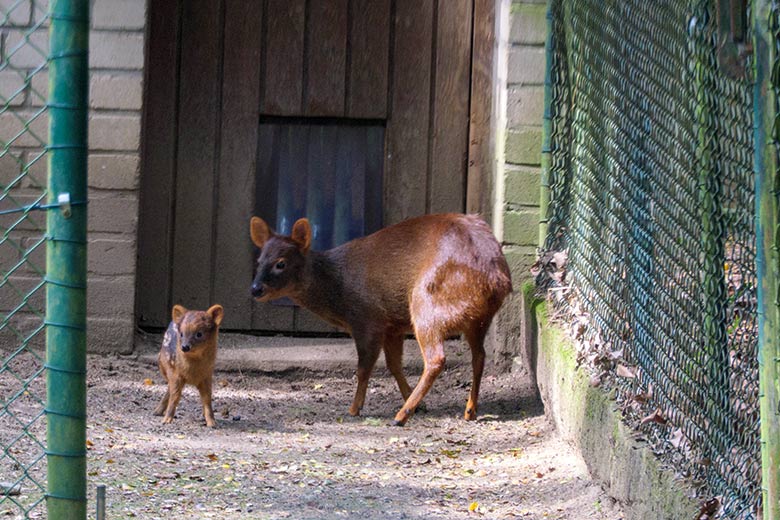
185	347
257	289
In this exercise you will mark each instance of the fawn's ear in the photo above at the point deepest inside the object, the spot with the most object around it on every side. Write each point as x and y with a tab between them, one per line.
259	231
217	313
178	313
301	234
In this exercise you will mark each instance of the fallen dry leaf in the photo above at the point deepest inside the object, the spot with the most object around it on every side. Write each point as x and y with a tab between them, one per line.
709	508
624	371
676	438
656	417
453	454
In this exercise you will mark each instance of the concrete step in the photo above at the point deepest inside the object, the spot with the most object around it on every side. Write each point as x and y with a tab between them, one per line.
274	354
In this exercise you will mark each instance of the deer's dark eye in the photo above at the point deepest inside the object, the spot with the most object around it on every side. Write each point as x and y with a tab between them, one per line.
280	265
198	335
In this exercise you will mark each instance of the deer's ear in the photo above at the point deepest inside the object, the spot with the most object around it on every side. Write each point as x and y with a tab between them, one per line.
178	313
217	313
301	234
259	231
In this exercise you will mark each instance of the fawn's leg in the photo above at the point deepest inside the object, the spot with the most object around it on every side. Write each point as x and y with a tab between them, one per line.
476	340
205	398
164	401
163	404
368	344
432	347
175	387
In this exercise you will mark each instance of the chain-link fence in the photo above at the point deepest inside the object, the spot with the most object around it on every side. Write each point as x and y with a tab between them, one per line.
38	432
23	137
652	196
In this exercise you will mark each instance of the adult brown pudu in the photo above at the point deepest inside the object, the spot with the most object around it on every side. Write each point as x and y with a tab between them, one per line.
434	275
187	356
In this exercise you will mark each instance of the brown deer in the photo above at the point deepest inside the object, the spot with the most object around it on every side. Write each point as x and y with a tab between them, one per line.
434	275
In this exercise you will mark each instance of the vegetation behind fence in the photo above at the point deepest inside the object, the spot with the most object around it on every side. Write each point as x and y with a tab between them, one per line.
651	194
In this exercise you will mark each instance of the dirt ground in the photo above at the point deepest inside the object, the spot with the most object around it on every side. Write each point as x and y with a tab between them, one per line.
286	448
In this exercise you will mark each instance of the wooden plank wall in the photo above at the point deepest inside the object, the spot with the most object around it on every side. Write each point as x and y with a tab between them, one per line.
481	165
325	62
282	73
326	58
199	108
367	59
217	67
155	222
427	132
406	166
450	106
233	262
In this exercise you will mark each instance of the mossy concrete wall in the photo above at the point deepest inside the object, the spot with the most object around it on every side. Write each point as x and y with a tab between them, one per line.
588	417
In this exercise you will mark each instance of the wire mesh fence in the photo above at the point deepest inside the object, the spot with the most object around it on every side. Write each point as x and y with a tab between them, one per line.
652	199
23	151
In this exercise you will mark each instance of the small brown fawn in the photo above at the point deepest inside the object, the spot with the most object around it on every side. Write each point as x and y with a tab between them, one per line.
187	356
434	275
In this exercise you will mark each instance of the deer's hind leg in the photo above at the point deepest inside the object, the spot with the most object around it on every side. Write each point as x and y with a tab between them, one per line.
432	347
475	336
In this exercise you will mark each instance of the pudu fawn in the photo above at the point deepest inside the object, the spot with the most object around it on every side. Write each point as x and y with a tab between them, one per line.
434	275
187	356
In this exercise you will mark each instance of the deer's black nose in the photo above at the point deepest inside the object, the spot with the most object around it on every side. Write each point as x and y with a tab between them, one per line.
257	289
185	348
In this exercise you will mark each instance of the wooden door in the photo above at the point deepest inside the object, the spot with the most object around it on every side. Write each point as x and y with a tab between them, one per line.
387	81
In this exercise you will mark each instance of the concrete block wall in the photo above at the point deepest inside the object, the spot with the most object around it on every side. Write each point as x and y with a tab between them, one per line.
116	64
115	98
23	134
525	63
525	109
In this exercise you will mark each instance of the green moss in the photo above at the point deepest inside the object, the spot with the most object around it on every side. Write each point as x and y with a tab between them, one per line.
517	7
586	415
594	405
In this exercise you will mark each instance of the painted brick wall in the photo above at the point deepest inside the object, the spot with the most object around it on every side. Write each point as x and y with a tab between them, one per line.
525	63
115	97
525	108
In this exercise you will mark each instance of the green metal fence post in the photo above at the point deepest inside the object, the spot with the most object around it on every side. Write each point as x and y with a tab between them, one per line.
66	264
767	162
